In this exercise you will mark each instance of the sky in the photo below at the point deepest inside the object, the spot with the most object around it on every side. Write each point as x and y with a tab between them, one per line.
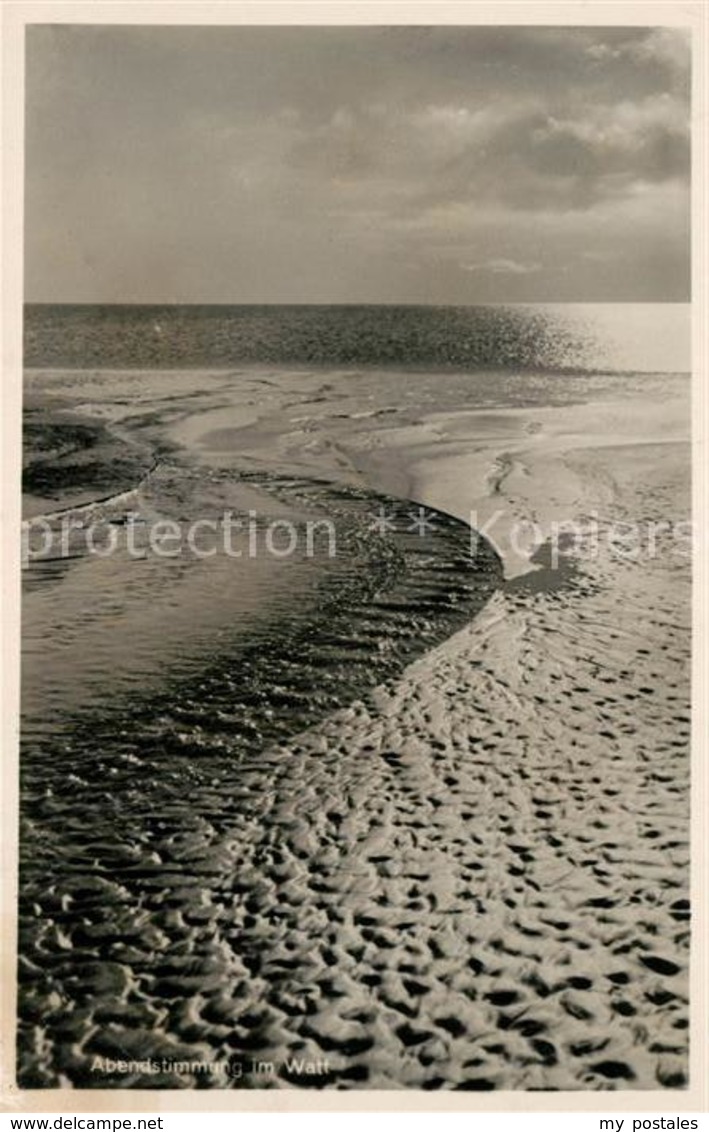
340	165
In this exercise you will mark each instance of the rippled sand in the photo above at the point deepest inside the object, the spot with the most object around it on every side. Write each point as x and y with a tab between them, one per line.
473	877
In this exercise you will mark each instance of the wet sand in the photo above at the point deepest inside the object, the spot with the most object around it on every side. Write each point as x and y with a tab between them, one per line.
472	877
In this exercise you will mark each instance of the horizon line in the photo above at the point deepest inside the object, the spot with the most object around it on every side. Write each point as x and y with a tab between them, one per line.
363	303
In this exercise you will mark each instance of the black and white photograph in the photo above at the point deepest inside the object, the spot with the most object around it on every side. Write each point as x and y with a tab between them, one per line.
356	557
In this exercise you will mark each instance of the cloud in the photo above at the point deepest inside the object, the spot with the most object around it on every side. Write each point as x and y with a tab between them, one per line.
668	47
354	164
503	267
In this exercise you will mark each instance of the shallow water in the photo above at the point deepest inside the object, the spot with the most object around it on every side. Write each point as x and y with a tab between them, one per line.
148	692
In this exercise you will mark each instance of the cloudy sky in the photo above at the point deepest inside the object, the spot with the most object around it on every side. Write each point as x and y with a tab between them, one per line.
443	165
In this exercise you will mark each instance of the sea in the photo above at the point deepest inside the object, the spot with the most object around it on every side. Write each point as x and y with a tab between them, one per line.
642	337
